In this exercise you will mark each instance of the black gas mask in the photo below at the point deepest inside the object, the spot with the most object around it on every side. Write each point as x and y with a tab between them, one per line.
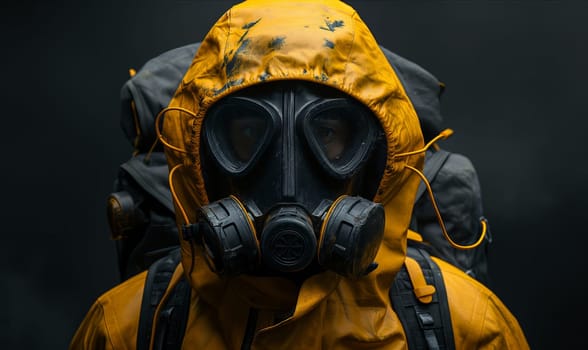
288	166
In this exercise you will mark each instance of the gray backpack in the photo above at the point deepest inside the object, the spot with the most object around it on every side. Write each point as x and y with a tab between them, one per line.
453	179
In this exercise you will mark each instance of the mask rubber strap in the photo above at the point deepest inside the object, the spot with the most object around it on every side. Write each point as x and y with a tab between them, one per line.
174	195
440	219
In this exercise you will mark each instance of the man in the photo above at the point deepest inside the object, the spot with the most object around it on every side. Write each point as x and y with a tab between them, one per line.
292	148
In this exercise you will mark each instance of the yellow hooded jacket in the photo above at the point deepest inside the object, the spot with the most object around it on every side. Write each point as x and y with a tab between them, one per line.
327	43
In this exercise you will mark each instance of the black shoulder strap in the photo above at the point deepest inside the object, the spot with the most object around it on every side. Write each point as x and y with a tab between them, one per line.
433	163
426	325
173	316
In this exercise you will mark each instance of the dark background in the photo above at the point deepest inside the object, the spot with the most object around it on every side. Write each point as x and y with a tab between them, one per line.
516	94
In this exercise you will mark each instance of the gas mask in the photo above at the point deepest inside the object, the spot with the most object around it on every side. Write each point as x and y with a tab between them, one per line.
288	167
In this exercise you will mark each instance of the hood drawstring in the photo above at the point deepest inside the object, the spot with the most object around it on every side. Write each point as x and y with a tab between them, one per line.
159	137
175	196
442	136
187	227
158	127
162	139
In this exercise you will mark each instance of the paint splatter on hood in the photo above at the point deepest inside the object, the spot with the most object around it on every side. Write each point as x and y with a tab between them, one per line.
325	42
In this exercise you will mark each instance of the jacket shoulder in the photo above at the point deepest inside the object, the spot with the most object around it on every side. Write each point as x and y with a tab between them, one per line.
113	319
479	318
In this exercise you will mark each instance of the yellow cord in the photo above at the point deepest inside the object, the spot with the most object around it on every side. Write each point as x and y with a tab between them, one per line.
442	136
148	156
158	130
440	219
167	144
137	128
173	192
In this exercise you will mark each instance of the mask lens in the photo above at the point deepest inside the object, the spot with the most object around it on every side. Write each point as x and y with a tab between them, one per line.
245	134
237	131
332	132
340	133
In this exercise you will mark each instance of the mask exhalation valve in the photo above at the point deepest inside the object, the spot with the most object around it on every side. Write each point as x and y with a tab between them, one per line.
288	241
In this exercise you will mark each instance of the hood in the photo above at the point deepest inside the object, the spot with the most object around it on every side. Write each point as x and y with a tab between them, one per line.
324	42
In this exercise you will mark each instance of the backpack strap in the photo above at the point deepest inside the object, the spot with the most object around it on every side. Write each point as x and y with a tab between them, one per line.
173	316
419	298
433	163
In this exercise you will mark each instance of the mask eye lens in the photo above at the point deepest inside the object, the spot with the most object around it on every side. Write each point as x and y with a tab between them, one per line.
340	133
245	133
332	133
237	132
